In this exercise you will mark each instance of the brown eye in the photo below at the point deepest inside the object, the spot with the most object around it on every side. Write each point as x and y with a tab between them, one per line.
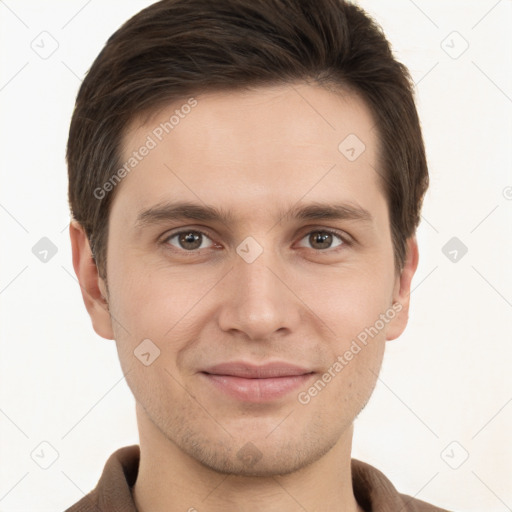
188	240
321	239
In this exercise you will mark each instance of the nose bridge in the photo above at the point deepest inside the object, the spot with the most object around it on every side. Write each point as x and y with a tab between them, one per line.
256	271
257	302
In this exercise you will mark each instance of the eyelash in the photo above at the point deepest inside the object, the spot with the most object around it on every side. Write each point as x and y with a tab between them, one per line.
344	239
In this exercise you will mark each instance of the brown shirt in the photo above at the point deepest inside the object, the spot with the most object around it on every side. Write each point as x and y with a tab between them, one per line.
372	490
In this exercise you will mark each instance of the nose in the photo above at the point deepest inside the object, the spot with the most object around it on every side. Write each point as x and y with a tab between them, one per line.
258	299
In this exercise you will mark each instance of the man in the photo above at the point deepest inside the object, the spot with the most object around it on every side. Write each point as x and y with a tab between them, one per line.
245	180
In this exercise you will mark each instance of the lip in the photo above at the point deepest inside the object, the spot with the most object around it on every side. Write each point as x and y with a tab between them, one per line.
256	383
254	371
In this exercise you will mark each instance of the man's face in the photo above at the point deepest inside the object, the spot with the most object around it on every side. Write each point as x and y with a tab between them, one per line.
259	287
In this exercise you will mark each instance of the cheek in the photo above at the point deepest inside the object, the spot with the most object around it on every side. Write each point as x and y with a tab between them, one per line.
153	302
357	313
351	301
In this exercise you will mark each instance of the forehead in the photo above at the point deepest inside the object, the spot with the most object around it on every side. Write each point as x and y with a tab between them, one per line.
254	147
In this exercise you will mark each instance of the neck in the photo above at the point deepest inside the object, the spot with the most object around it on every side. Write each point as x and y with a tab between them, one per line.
170	480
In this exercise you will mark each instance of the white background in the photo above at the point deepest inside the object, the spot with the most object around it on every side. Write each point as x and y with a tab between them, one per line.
446	379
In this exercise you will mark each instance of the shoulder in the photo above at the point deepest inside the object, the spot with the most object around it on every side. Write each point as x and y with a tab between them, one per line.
114	486
375	493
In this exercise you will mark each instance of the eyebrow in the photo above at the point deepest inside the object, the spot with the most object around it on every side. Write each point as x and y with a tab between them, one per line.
182	210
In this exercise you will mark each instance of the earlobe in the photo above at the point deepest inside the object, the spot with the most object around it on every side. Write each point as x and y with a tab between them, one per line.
402	291
92	285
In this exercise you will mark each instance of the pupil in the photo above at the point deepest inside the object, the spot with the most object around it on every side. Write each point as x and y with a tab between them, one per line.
190	238
323	239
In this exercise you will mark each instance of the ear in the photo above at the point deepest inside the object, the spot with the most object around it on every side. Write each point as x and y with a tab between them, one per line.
94	290
402	291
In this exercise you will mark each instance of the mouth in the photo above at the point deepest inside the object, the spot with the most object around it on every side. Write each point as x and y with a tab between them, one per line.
253	383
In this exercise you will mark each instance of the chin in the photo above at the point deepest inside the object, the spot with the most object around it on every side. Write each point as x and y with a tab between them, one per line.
259	458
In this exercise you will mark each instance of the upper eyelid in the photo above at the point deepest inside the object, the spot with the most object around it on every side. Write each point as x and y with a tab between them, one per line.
345	238
186	230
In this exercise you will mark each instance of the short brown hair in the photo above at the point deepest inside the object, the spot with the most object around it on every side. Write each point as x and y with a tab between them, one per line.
177	48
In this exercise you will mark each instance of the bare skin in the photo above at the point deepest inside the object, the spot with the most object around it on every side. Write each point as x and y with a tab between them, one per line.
301	301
